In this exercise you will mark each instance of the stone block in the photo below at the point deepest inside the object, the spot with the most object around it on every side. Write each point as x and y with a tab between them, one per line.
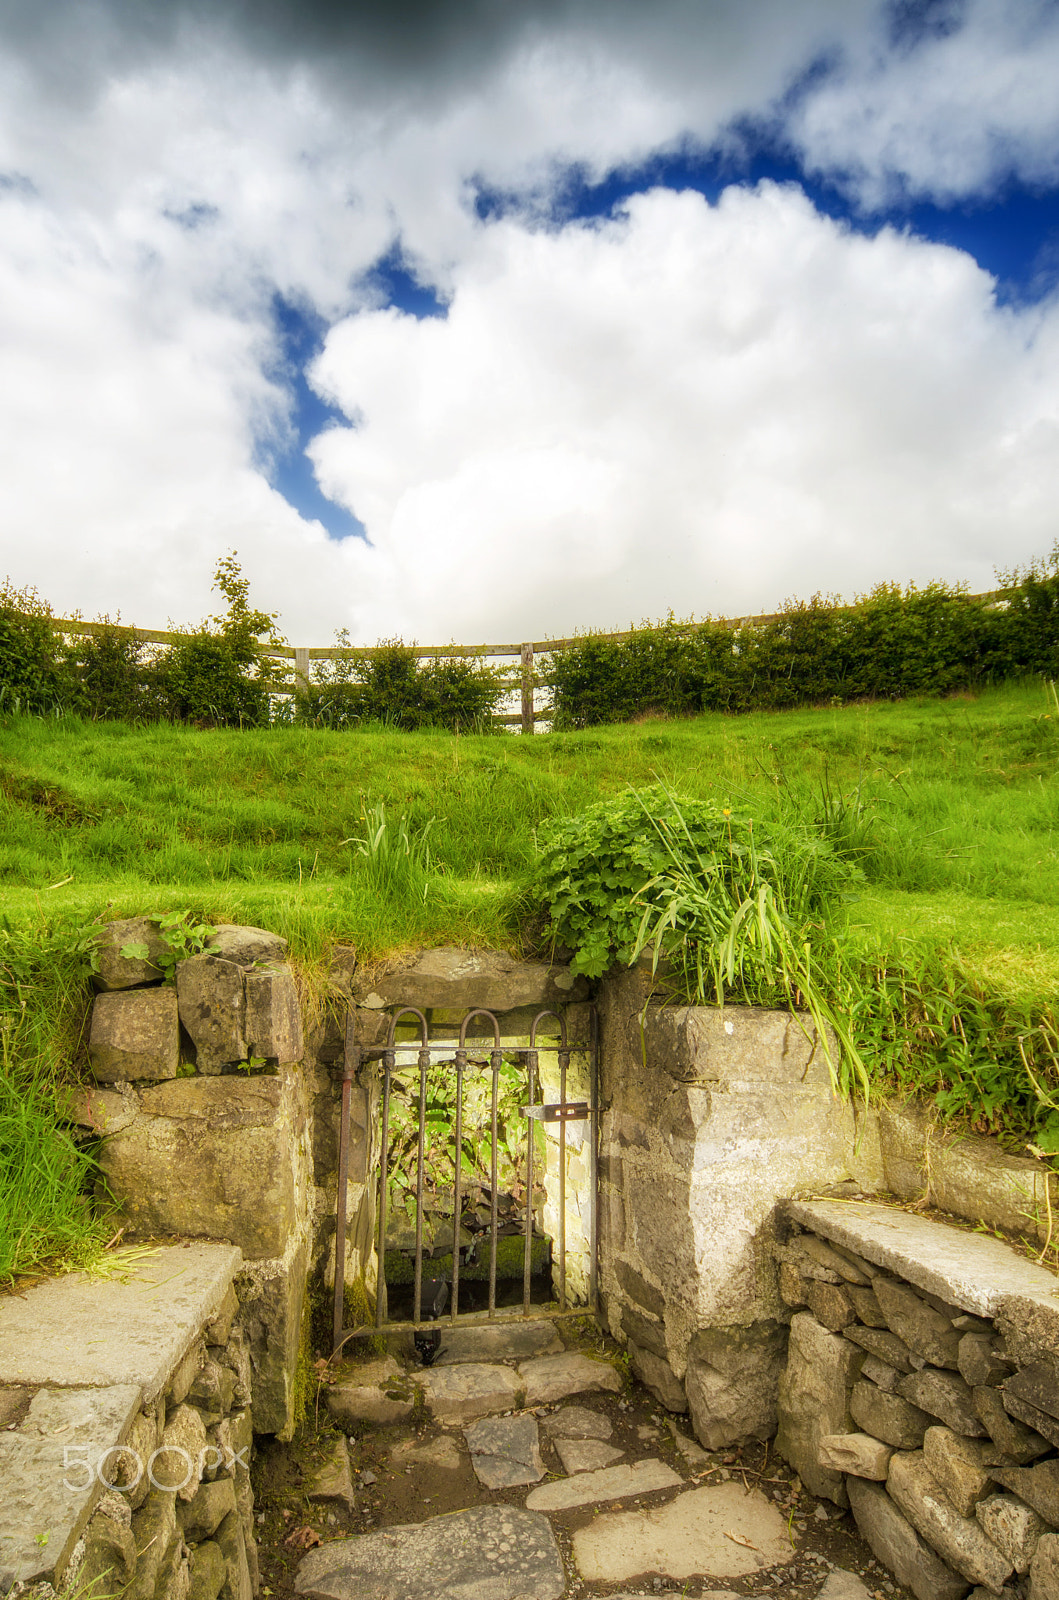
1040	1421
203	1513
208	1571
925	1331
888	1416
958	1467
882	1344
245	946
212	1005
959	1540
505	1451
792	1287
972	1177
354	1404
550	1378
103	1110
128	972
154	1528
904	1129
824	1256
867	1307
814	1401
979	1362
210	1157
830	1305
882	1375
212	1391
944	1395
1037	1385
110	1549
470	1390
733	1382
332	1480
1012	1526
458	979
135	1035
272	1303
857	1453
658	1377
1044	1569
1015	1443
219	1327
1038	1486
229	1538
898	1546
179	1458
273	1025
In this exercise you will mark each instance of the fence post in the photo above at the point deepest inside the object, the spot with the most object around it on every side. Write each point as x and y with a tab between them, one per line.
301	667
527	688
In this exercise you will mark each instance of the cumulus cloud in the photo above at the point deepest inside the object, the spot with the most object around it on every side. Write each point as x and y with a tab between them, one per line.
701	407
956	109
613	419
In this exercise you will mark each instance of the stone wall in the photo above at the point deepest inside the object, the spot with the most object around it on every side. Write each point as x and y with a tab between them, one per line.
922	1390
204	1104
709	1119
127	1414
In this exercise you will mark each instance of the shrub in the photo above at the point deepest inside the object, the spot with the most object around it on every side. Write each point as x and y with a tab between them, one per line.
393	687
33	676
113	676
218	675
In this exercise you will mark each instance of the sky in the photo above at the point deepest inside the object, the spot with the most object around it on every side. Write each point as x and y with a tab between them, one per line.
491	320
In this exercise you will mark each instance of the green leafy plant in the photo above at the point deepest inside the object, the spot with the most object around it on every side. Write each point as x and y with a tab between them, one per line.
182	936
395	856
33	677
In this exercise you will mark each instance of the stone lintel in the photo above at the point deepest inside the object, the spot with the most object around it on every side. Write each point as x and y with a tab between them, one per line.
80	1332
980	1274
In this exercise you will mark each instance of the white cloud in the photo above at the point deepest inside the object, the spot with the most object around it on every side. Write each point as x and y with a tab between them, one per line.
955	114
694	407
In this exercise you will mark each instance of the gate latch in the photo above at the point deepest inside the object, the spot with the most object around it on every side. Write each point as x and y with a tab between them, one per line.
558	1111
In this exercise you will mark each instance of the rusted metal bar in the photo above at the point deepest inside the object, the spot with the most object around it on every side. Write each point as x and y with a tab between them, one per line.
567	1113
527	1259
593	1175
496	1061
527	688
424	1063
461	1063
381	1306
461	1060
350	1064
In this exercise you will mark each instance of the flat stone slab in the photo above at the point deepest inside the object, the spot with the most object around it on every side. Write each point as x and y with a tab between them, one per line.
578	1422
442	1454
333	1480
552	1378
586	1455
470	1389
510	1340
610	1483
505	1451
490	1553
717	1531
84	1332
970	1270
60	1442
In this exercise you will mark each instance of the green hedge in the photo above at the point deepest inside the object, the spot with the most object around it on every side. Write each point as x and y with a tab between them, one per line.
394	687
891	644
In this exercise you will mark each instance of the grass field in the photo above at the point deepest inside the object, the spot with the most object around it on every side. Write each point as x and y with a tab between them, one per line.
951	806
958	800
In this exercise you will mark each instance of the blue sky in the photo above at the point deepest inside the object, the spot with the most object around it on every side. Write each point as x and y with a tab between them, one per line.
524	318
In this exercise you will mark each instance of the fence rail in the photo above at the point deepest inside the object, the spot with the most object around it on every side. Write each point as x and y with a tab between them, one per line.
524	679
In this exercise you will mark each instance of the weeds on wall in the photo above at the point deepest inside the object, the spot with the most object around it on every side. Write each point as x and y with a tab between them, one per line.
891	644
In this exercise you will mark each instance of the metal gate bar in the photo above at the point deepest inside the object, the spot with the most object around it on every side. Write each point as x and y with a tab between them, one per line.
354	1056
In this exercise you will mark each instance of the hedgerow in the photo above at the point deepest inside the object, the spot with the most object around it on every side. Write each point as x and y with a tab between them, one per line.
890	644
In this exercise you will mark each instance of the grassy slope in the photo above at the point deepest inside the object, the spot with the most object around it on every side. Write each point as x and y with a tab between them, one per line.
250	826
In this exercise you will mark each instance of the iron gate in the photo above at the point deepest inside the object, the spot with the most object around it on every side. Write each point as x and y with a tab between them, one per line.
478	1062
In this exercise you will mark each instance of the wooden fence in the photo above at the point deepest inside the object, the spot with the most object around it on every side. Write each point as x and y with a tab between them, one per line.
524	679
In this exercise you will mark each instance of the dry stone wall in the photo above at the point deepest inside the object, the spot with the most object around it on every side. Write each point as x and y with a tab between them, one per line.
202	1102
127	1411
921	1389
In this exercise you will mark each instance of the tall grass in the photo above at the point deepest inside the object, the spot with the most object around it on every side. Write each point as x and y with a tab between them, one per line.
46	1215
